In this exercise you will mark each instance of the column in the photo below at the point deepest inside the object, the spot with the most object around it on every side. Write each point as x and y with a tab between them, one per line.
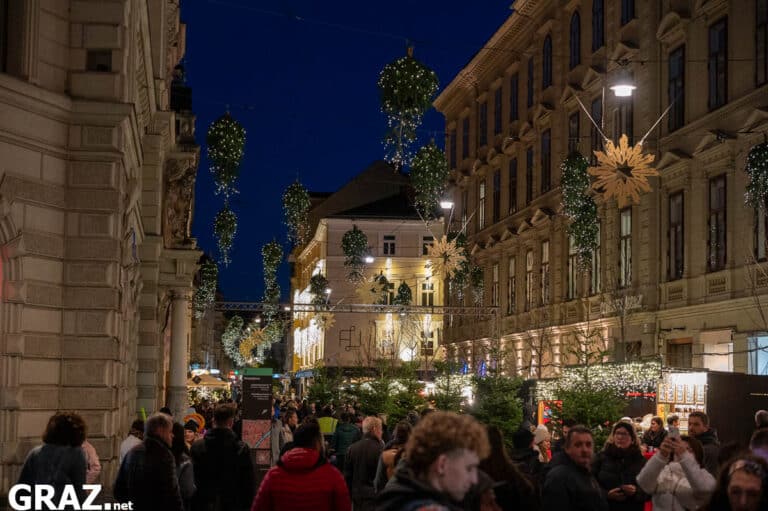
180	332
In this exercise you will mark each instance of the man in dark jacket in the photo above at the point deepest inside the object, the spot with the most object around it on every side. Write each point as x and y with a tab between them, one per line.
525	458
223	468
698	428
147	476
360	465
570	486
345	435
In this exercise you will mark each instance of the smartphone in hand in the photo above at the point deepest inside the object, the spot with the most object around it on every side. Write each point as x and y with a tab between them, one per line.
674	432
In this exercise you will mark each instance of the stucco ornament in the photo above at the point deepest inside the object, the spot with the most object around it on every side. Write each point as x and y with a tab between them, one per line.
179	201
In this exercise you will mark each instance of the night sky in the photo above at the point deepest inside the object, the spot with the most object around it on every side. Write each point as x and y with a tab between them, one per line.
300	76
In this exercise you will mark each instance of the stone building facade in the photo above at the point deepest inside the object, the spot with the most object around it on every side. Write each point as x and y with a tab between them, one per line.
96	190
687	261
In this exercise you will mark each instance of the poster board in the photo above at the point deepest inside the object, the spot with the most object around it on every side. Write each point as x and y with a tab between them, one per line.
257	418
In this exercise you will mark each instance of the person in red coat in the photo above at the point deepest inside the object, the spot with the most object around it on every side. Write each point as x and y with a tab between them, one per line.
302	480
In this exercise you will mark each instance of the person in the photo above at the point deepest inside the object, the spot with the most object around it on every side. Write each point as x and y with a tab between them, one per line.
392	455
656	434
345	435
541	442
526	458
290	420
93	469
184	471
673	421
223	468
134	438
698	427
761	419
302	480
675	476
147	476
741	486
558	445
758	444
190	432
441	464
59	461
361	462
513	490
616	468
327	423
570	486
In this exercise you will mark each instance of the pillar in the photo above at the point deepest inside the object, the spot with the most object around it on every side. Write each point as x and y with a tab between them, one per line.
180	332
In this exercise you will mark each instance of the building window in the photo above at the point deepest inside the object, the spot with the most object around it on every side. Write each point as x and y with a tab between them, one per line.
529	102
623	121
496	196
546	64
427	242
427	294
511	286
512	185
529	280
495	285
757	362
679	353
497	112
481	205
718	64
482	124
3	36
573	259
389	244
675	236
574	120
625	248
452	149
595	282
575	55
627	11
546	161
391	293
761	235
717	223
99	61
465	138
514	93
528	175
761	42
676	88
545	273
598	25
597	140
427	343
464	208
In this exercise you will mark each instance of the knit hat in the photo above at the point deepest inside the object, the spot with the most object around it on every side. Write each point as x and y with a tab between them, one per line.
541	434
191	426
522	438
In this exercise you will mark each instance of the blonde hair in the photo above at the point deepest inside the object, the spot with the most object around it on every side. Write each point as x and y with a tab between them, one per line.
370	422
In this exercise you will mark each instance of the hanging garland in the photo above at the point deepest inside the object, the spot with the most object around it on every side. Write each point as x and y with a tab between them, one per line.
579	207
756	195
224	229
429	175
458	280
476	281
205	294
231	338
404	295
226	147
354	243
407	88
317	288
273	332
296	205
272	256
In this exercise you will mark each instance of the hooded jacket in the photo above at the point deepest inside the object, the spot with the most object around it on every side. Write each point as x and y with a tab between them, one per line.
676	486
223	472
302	481
404	492
570	487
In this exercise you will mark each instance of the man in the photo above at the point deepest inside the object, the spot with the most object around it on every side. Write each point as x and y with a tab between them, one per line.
290	422
758	444
222	465
761	419
134	438
673	421
327	423
558	444
698	428
525	458
346	434
570	486
360	465
147	476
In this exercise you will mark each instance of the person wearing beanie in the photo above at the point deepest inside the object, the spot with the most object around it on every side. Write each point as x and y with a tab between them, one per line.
541	442
190	432
525	457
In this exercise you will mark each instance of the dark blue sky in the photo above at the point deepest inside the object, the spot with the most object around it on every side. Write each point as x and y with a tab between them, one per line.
305	91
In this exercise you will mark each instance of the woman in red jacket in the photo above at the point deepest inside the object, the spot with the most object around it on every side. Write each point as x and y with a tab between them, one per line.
302	480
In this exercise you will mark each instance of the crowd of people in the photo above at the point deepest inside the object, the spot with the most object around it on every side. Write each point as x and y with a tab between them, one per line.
326	458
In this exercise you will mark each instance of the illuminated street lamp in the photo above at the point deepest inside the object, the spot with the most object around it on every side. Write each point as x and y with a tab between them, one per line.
623	85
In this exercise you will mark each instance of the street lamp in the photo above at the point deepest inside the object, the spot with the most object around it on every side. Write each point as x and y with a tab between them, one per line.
623	85
446	203
368	259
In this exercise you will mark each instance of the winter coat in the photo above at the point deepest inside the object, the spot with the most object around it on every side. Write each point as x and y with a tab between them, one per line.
613	467
129	443
186	476
570	487
711	445
654	440
147	477
345	435
223	472
676	486
527	460
302	481
92	459
57	465
404	492
360	467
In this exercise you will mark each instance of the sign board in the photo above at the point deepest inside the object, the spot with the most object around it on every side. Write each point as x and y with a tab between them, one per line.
257	418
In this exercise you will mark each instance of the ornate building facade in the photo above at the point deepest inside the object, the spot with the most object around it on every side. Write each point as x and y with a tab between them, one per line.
96	193
678	275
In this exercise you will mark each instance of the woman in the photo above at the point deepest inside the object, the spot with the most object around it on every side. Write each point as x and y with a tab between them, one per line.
184	471
60	461
541	442
741	486
680	484
616	468
654	436
513	490
390	457
440	467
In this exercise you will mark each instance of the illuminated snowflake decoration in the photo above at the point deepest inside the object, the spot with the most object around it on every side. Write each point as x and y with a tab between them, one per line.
446	257
622	172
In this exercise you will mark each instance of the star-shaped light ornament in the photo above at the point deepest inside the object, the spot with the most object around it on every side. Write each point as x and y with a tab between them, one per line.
622	171
445	257
325	320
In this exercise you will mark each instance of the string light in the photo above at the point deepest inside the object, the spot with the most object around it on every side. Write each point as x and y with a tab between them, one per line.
354	244
296	204
224	229
226	147
231	338
205	294
619	378
756	193
429	175
579	207
404	295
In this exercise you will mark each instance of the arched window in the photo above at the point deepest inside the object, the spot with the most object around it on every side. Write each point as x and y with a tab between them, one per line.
546	63
598	25
575	56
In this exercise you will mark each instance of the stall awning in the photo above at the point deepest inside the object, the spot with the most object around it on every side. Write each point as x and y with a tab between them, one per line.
206	380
